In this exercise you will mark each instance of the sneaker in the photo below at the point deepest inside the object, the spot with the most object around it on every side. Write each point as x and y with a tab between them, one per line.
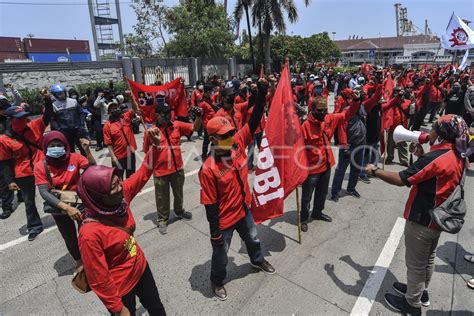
219	292
334	197
400	304
389	162
5	214
364	179
32	236
265	266
304	227
185	215
162	228
470	284
401	288
323	217
354	193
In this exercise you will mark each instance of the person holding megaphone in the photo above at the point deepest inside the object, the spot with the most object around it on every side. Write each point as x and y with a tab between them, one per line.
432	178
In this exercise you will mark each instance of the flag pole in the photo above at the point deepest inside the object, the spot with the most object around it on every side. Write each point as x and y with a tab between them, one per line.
298	213
135	105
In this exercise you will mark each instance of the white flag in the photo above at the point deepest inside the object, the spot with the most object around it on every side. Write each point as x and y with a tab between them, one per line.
458	35
464	61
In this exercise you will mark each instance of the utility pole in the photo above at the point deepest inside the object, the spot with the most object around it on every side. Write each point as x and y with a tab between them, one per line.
397	17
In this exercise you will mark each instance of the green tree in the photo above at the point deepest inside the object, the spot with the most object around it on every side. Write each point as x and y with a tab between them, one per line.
149	28
199	28
303	51
269	15
138	46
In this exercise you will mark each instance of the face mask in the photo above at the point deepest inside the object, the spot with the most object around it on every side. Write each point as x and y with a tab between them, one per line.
115	114
455	89
55	152
243	91
225	144
320	116
160	101
19	125
74	96
114	200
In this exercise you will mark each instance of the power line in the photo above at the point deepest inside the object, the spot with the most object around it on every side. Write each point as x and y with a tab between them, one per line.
51	3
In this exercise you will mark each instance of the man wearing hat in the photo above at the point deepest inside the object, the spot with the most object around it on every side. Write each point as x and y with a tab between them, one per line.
232	112
433	177
168	167
225	192
20	149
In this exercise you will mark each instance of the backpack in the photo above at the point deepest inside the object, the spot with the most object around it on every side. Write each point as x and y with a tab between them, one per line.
357	129
449	215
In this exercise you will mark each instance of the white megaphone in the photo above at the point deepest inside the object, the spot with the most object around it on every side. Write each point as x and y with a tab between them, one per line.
401	134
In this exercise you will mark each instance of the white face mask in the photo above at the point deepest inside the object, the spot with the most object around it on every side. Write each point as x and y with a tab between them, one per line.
55	152
438	141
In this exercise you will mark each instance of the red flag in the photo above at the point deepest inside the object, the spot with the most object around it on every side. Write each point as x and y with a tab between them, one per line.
389	84
282	163
145	98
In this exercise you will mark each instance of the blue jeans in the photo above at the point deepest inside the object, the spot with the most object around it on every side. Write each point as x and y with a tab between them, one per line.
354	158
248	232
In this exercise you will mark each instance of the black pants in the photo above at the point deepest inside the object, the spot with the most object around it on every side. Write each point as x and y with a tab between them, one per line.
420	118
6	195
148	295
73	140
126	166
99	136
67	228
319	184
205	145
27	187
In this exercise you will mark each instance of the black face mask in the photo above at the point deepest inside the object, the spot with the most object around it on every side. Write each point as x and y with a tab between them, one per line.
230	100
114	200
243	92
160	101
318	91
115	114
320	116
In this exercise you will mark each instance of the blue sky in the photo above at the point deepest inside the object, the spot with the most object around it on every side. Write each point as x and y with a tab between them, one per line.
367	18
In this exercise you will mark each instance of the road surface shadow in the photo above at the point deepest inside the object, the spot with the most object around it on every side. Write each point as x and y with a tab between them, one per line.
200	275
153	217
47	221
435	312
452	254
65	265
364	273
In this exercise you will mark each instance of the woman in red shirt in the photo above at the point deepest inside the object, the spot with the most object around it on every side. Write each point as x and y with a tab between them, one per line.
64	169
115	266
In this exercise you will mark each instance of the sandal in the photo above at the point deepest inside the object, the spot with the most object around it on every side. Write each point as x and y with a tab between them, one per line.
469	258
470	283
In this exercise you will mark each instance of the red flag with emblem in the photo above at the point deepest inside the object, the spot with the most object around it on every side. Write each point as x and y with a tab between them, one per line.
281	162
145	98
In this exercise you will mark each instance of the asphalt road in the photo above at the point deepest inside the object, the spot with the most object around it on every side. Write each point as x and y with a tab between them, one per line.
340	267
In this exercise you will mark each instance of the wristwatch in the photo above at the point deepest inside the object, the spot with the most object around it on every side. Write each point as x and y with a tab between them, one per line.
374	169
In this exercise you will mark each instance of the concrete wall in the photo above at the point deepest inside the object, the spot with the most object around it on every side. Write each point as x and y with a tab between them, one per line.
39	79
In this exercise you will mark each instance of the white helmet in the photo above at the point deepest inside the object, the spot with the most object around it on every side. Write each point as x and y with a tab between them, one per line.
119	98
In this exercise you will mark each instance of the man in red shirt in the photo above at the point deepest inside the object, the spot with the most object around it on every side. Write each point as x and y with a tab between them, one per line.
318	130
168	168
225	193
196	95
400	110
233	112
207	113
120	140
433	177
20	149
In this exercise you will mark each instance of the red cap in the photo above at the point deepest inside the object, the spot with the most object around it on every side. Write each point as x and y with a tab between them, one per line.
219	126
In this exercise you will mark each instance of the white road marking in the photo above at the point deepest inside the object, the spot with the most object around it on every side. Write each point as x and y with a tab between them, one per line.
368	294
47	230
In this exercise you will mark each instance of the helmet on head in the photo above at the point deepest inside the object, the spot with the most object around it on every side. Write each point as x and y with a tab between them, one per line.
58	91
119	98
361	80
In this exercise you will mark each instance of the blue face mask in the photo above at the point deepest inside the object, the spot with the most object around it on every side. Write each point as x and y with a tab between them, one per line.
55	152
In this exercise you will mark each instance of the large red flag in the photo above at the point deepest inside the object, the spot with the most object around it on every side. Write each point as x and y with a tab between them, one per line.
281	163
145	98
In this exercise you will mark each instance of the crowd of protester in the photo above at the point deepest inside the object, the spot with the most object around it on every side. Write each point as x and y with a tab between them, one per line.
230	115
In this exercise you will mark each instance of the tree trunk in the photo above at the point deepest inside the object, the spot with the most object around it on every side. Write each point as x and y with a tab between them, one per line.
246	7
268	61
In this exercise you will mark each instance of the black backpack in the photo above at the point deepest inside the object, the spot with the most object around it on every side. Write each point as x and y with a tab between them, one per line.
357	129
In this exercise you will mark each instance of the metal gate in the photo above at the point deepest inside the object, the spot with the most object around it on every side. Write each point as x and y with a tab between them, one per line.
165	70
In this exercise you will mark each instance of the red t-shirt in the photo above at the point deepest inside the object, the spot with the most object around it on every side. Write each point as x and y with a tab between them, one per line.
207	112
115	133
163	163
220	184
11	148
113	261
65	178
317	138
196	97
236	117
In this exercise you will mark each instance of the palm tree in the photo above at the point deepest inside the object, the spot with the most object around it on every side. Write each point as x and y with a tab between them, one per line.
240	7
269	14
